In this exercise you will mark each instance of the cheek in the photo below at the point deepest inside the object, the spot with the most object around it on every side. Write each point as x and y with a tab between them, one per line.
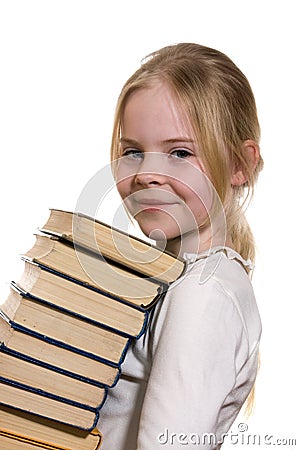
200	204
123	187
197	194
125	174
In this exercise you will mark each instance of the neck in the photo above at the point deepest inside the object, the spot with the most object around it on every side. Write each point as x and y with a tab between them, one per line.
195	242
192	242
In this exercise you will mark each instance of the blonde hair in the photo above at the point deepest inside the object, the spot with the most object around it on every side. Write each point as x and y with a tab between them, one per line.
219	103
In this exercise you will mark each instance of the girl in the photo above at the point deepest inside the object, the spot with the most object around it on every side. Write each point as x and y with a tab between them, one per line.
185	151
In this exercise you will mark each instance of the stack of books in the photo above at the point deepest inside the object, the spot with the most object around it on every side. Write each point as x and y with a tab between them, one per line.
66	326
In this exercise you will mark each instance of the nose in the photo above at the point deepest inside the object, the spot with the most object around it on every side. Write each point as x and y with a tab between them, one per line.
148	179
151	171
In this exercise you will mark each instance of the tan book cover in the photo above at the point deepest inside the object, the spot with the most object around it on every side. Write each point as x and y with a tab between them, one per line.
53	383
50	324
20	430
116	245
56	358
76	299
95	272
36	403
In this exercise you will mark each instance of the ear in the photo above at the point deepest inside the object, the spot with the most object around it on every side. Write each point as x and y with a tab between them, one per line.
251	154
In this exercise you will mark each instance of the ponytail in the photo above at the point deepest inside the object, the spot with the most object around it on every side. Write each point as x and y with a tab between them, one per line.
243	242
242	238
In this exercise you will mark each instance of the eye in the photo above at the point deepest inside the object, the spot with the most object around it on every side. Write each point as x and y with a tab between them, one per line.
133	153
181	153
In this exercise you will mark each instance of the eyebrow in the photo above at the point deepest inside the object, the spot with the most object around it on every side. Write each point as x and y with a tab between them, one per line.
125	140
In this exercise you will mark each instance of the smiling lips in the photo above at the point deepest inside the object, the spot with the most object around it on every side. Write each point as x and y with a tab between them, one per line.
153	208
152	205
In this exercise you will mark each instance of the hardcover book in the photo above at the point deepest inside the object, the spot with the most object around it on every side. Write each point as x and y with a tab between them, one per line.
115	245
75	299
87	268
30	316
66	326
38	351
36	402
19	429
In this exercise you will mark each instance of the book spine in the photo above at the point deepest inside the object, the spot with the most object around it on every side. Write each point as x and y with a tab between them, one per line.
61	370
22	329
43	393
87	429
161	288
29	443
26	294
109	260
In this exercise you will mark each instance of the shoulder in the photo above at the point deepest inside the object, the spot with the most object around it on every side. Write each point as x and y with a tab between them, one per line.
214	292
214	278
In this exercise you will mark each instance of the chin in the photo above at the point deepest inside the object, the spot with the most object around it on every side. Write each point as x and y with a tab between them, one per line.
163	230
159	234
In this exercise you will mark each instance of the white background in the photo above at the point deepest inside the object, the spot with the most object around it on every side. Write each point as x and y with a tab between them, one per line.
62	66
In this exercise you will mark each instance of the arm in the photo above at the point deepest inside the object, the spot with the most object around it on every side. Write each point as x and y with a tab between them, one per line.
197	337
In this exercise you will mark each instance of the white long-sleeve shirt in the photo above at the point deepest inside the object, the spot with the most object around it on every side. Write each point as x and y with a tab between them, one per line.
184	381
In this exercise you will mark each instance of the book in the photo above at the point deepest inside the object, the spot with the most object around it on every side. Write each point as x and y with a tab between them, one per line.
30	316
9	442
37	403
88	269
23	373
65	328
18	427
38	351
115	245
73	298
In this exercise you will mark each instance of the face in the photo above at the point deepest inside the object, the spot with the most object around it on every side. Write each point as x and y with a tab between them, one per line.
160	176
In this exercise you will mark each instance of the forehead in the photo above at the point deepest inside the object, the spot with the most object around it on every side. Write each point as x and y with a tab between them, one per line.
156	110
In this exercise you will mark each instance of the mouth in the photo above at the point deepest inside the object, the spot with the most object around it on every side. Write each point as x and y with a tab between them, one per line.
152	200
152	206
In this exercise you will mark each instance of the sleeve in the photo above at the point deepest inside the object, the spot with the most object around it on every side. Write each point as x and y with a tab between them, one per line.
194	366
